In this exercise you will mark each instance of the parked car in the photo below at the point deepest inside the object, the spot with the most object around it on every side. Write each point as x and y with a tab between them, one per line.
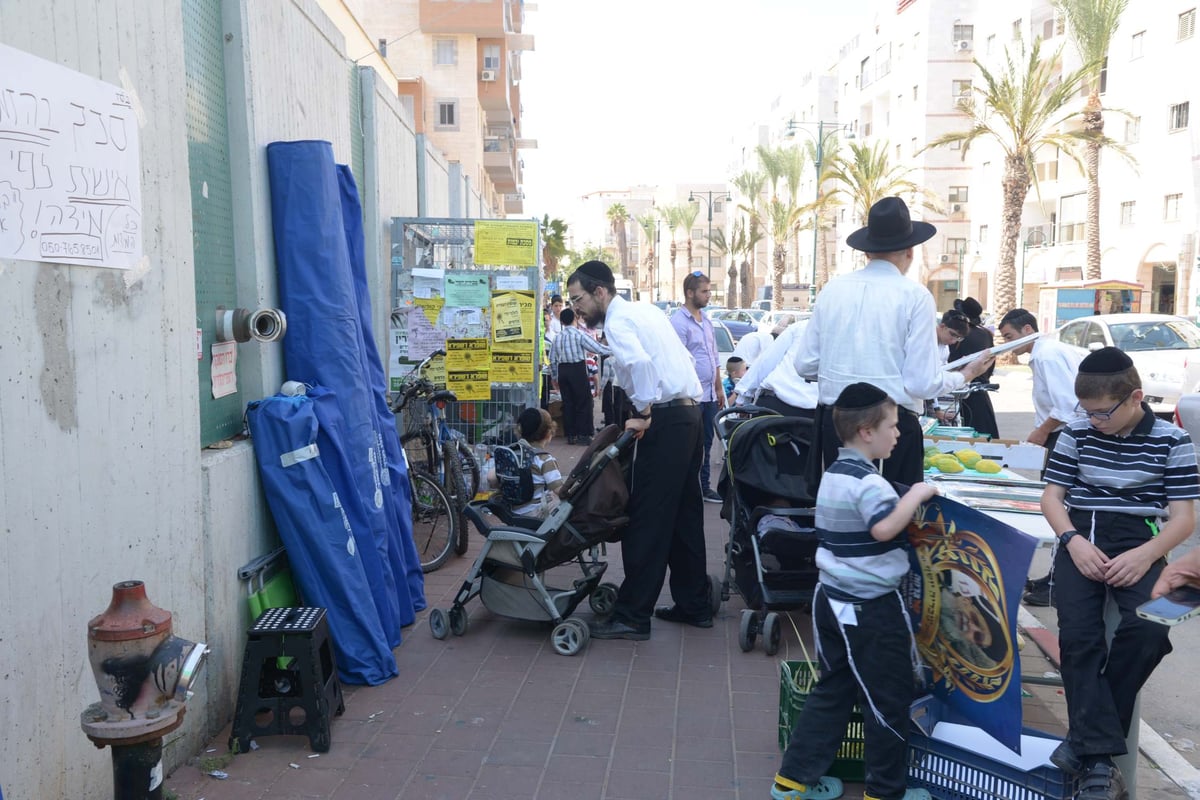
771	318
1187	414
1162	347
738	321
725	344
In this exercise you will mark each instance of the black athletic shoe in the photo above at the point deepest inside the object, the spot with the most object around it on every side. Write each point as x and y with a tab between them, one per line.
1102	781
1065	758
615	629
711	496
1040	596
673	614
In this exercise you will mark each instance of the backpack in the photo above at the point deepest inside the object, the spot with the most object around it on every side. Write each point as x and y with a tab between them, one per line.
514	471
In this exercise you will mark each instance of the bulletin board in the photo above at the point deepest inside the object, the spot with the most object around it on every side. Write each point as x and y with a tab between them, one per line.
472	288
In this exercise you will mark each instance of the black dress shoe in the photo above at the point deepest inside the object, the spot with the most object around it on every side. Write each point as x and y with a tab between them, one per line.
615	629
1102	781
674	614
1065	758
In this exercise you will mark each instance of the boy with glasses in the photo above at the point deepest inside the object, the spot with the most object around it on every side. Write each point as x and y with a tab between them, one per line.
1120	486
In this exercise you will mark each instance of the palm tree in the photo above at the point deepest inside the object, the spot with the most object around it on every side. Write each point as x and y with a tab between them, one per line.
825	203
719	245
1021	109
866	175
754	237
649	225
687	218
781	165
617	217
554	245
674	217
737	246
1092	25
750	185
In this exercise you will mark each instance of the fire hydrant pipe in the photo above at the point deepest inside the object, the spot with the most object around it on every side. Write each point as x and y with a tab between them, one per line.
138	771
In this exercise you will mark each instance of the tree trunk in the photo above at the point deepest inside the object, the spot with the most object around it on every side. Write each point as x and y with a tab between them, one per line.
777	275
623	246
732	300
1016	188
747	283
822	257
674	252
1093	122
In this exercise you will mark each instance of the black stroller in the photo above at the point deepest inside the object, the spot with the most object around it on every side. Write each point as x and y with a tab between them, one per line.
541	569
773	564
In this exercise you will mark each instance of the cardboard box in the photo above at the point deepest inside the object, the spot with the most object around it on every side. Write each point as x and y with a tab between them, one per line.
1008	452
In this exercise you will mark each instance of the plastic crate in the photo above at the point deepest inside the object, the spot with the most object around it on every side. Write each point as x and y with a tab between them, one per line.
949	772
795	683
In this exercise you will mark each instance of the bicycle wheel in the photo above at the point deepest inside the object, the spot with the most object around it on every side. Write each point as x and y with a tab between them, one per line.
433	520
456	487
470	468
419	448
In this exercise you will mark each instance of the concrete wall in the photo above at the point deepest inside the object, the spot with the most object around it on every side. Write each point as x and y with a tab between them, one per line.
101	474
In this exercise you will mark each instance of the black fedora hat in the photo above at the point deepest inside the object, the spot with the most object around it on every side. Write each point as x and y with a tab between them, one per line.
889	228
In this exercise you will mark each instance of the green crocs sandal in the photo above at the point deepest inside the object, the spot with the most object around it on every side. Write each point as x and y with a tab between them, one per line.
828	788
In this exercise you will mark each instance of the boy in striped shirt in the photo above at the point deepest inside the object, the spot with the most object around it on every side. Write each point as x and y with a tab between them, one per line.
1120	486
864	638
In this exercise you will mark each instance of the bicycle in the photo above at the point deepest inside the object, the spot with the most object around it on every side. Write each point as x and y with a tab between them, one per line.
433	447
948	408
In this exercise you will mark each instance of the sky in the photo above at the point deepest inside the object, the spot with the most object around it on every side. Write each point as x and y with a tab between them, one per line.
623	93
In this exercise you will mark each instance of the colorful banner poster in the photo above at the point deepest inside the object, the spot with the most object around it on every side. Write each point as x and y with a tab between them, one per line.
514	321
512	367
423	338
431	306
466	355
473	385
467	289
968	573
506	243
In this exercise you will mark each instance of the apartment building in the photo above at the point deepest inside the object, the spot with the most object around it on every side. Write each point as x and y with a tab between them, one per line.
460	72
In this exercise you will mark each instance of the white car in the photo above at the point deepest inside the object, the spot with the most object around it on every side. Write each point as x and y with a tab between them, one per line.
1164	348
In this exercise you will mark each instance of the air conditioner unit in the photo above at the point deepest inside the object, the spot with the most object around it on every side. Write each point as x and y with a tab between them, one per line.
487	75
963	45
946	258
958	208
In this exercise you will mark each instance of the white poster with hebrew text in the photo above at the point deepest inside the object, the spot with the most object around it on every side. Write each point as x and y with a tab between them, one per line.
70	175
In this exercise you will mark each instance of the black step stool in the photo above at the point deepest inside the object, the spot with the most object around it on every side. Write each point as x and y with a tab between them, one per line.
288	671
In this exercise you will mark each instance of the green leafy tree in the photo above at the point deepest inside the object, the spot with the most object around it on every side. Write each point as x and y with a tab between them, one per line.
648	222
820	211
1091	25
719	246
618	216
687	218
675	217
751	185
554	245
783	167
1022	108
865	175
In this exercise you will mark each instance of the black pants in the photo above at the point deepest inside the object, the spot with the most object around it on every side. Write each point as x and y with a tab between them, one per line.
666	520
614	404
906	464
976	410
771	401
1101	680
576	389
880	647
708	413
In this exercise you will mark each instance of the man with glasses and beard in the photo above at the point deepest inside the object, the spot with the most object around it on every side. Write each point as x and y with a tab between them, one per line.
666	512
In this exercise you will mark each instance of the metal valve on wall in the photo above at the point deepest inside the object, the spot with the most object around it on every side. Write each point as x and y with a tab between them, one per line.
242	324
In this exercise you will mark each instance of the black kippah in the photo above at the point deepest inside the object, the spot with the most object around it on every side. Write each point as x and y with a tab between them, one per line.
596	270
860	395
1105	361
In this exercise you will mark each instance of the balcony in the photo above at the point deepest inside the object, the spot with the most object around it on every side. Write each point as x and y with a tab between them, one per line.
492	18
500	163
514	203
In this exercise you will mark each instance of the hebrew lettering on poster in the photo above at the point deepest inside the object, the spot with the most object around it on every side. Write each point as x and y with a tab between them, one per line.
70	173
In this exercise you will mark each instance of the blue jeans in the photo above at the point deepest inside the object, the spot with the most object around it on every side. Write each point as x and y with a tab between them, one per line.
708	413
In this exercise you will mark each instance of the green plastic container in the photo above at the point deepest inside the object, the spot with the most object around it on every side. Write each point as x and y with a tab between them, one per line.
796	680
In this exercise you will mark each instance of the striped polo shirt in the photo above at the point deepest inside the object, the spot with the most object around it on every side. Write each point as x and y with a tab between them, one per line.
852	498
1136	474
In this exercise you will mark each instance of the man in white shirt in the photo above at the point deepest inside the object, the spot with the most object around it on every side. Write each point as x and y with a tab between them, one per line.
877	326
756	342
772	382
555	327
666	511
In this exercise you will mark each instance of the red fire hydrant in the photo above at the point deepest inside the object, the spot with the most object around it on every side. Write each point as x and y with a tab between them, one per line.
144	675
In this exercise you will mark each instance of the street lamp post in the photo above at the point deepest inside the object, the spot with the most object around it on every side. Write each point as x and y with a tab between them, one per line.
824	131
707	197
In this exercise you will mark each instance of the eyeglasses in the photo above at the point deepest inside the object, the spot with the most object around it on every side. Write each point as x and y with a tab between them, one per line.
575	299
1102	416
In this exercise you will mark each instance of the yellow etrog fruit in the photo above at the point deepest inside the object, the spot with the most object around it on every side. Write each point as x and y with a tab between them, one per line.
932	451
948	464
986	465
968	457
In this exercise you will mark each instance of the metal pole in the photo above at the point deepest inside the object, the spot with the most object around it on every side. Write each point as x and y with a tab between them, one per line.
710	234
137	770
812	286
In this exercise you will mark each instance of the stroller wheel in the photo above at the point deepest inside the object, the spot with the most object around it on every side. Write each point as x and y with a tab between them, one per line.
569	636
603	600
439	623
458	620
748	631
714	594
772	632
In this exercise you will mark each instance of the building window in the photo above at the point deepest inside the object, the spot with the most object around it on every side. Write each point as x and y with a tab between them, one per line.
1016	30
961	89
864	73
1136	43
955	247
718	206
491	56
1127	212
1133	130
991	43
1104	76
962	32
914	145
447	114
898	156
1072	213
445	52
1187	25
1179	116
1047	170
1171	207
697	233
983	234
958	194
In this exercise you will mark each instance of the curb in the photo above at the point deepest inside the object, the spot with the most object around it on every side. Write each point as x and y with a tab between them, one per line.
1151	744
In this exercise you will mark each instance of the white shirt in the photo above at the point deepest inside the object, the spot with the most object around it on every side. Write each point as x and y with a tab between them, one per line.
652	365
875	326
1054	367
750	346
774	371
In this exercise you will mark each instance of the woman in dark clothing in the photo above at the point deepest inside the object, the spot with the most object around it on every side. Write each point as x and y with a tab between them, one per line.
977	407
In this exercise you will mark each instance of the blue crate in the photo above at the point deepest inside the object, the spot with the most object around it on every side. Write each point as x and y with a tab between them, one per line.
949	772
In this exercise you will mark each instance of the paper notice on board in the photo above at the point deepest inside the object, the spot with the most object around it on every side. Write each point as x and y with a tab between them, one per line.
431	306
506	243
518	337
506	317
474	385
224	369
428	282
436	372
519	282
512	367
423	338
466	355
399	341
467	289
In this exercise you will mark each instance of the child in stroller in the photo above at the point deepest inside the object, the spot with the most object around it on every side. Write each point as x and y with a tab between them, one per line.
522	570
526	473
771	554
